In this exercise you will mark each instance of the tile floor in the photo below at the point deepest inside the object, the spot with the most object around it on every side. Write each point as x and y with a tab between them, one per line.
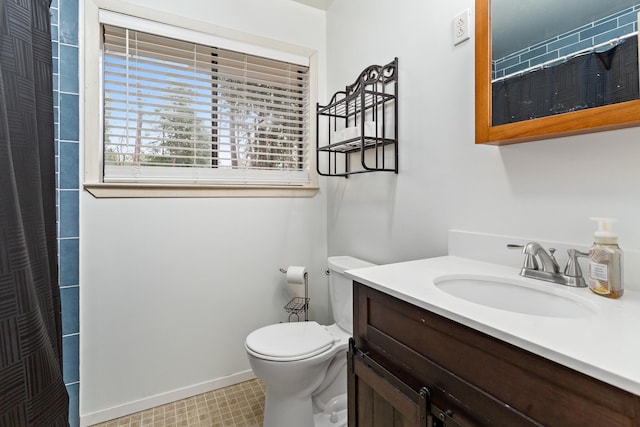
240	405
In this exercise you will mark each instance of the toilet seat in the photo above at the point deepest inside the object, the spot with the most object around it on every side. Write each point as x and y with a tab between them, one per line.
285	342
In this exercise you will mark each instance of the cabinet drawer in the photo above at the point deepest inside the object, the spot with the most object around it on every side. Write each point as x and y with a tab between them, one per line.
468	371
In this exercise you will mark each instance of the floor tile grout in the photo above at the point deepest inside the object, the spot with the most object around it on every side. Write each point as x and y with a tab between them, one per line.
239	405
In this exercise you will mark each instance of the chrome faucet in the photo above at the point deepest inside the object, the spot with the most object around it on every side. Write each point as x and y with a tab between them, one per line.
542	265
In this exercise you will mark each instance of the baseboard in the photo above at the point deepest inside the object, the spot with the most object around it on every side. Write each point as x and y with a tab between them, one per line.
163	398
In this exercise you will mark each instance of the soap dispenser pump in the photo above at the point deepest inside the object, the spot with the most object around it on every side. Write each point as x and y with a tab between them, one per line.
605	261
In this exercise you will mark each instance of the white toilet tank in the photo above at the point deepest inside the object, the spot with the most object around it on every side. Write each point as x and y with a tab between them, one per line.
341	289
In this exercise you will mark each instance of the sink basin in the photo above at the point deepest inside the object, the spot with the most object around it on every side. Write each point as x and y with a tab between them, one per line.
515	295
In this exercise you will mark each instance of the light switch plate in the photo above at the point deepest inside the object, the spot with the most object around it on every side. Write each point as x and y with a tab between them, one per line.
461	27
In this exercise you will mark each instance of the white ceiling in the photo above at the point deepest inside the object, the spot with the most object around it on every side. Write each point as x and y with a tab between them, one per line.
521	23
319	4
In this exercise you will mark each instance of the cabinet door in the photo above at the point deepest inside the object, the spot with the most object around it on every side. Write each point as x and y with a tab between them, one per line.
376	400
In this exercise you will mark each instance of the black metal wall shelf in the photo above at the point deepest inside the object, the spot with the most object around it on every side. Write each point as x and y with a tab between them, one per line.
361	119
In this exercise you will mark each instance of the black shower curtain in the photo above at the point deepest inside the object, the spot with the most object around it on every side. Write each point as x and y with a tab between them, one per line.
32	391
586	81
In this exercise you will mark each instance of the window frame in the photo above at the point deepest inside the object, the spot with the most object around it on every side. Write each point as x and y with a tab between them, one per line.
95	12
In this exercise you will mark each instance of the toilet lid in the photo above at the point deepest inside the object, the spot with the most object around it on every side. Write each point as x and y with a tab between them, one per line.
291	341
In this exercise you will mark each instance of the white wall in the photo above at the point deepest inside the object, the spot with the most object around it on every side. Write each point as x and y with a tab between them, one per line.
171	287
542	190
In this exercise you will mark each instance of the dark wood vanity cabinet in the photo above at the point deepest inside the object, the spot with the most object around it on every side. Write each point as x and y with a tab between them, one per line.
411	367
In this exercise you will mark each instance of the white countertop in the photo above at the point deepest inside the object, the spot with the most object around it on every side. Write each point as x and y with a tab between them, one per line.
604	345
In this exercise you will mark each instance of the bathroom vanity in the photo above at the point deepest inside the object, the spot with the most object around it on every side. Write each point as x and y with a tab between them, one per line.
422	357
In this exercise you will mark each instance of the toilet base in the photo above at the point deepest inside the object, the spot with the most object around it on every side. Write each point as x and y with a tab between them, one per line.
334	415
295	412
287	411
325	420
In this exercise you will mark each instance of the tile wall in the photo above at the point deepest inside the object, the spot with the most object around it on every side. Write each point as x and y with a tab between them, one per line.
603	30
64	37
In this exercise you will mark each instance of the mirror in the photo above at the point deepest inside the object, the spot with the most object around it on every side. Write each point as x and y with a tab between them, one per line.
624	112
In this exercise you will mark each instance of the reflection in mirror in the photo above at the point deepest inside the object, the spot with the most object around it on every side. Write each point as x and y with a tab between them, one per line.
551	57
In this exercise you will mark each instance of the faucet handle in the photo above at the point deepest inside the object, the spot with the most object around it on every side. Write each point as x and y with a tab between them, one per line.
529	261
572	268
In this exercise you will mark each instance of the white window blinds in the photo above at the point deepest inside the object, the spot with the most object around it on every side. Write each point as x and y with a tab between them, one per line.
181	112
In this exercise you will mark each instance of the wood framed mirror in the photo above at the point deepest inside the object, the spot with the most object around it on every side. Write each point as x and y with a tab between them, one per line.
607	117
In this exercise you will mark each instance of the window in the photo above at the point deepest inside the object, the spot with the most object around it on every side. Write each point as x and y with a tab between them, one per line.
175	111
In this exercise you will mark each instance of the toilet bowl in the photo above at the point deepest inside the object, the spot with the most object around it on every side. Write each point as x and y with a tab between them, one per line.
303	364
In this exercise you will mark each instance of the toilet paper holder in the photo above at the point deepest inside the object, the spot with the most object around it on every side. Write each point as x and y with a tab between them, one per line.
299	304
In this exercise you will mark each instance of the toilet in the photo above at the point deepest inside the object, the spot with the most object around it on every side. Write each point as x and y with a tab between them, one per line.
303	364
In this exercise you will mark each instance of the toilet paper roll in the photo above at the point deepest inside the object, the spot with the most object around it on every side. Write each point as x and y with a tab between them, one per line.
338	136
295	280
295	274
370	129
350	133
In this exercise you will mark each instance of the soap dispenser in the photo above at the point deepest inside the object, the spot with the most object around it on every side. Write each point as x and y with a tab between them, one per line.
605	261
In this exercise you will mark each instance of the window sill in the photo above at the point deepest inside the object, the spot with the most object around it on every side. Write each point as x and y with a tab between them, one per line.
120	190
